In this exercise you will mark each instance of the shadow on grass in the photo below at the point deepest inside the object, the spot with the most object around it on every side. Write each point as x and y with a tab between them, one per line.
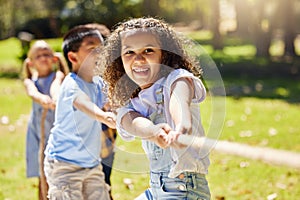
276	78
11	73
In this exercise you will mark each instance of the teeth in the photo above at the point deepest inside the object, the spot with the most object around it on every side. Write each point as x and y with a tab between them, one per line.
140	69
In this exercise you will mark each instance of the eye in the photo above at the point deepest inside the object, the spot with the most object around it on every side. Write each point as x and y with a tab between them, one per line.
90	48
149	50
129	52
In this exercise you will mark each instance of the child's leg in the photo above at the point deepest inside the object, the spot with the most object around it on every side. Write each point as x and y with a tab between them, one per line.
94	186
64	180
107	167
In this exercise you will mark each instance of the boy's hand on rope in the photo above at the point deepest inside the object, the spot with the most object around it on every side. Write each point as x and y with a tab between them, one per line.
110	119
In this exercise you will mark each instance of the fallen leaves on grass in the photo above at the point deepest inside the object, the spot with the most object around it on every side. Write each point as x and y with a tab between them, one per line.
128	182
272	196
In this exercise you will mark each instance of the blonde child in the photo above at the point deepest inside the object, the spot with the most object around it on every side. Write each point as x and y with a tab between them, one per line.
44	71
73	164
154	85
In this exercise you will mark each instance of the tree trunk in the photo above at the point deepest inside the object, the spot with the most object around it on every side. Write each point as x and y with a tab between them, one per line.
151	7
262	30
217	38
242	17
289	27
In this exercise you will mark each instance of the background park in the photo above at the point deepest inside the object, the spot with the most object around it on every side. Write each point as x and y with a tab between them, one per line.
255	46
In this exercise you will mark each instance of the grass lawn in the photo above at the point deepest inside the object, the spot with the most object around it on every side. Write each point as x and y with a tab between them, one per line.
255	121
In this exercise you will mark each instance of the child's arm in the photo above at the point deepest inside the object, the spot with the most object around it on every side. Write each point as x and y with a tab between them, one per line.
55	85
138	125
83	103
36	96
180	100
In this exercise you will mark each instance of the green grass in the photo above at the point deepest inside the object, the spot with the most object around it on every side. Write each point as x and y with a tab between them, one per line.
15	106
267	122
10	50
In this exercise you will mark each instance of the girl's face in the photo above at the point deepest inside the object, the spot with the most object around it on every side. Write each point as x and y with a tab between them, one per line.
141	56
42	60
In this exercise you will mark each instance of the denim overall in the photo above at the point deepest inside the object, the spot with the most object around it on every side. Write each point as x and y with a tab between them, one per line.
33	135
187	186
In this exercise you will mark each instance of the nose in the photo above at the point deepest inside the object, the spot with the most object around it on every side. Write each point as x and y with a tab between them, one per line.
139	57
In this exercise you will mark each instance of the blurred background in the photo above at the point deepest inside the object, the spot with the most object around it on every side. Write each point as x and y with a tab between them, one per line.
244	37
262	23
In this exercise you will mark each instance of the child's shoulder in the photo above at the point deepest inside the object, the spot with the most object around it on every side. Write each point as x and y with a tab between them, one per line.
199	88
70	80
179	73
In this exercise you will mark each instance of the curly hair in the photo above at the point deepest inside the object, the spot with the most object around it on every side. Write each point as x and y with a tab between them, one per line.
174	55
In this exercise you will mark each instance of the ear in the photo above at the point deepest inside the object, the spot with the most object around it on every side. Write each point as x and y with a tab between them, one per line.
72	57
55	59
28	62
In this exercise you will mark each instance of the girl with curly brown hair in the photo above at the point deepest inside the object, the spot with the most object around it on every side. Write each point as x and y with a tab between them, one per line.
154	85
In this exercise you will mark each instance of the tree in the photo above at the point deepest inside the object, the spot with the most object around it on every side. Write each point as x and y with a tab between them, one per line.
289	25
262	29
242	17
151	7
217	37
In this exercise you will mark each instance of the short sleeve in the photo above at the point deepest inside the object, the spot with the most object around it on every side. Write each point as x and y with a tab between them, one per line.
70	90
199	89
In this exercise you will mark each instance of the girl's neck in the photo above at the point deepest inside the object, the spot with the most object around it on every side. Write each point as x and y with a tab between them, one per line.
44	73
146	86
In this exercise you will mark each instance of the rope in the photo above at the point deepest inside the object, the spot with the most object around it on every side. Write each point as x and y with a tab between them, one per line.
264	154
44	185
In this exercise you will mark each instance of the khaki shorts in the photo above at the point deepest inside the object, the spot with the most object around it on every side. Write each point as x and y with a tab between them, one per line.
68	182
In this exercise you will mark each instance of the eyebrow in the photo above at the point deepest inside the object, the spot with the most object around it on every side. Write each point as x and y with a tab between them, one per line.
129	47
90	42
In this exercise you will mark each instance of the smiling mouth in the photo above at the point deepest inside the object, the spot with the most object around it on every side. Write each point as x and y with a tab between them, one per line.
140	70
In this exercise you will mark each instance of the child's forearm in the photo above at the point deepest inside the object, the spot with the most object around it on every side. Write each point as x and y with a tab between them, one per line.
33	92
84	104
31	89
137	125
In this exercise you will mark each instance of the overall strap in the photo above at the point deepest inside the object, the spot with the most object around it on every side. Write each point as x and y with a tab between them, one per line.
160	99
